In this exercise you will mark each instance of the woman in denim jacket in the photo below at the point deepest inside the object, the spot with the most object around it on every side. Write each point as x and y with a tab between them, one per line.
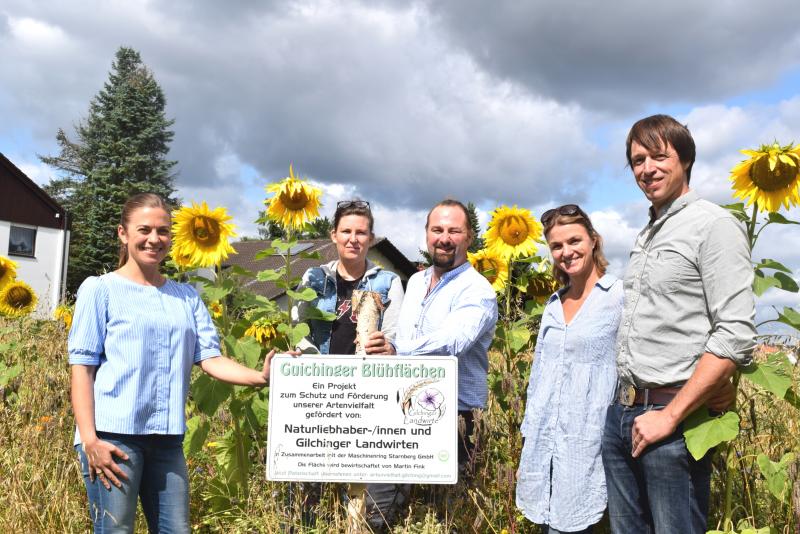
334	283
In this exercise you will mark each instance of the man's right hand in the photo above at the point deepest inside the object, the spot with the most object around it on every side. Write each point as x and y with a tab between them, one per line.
378	344
722	398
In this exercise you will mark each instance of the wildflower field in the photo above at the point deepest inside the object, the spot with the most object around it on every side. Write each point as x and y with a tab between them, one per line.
756	480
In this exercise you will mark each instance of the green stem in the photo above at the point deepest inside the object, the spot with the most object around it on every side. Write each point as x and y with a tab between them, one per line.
727	523
288	273
751	228
242	456
225	317
507	319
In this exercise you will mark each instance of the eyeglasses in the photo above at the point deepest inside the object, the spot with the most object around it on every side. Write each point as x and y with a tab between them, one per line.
567	210
347	204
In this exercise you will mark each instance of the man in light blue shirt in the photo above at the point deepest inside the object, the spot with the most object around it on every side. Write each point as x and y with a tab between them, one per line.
450	308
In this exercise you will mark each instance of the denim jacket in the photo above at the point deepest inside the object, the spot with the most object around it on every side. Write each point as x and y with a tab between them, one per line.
322	280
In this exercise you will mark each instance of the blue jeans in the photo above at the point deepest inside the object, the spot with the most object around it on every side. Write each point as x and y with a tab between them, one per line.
662	491
157	475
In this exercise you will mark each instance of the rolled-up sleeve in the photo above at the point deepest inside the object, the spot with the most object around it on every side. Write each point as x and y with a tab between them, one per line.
727	274
87	337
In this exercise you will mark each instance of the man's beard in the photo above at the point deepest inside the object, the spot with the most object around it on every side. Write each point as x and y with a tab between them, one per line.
444	261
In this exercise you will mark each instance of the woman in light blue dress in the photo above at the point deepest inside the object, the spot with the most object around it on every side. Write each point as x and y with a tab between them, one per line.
561	483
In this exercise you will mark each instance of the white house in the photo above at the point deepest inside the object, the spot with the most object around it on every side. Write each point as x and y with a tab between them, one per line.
34	233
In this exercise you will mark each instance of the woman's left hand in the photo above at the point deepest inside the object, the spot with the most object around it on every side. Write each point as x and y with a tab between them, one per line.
378	344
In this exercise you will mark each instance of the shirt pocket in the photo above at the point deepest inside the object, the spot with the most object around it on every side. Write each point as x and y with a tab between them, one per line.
668	272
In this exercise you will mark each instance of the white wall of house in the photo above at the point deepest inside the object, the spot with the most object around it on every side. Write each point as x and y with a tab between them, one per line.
45	271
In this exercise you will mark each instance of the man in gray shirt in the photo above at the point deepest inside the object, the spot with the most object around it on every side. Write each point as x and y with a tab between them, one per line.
687	324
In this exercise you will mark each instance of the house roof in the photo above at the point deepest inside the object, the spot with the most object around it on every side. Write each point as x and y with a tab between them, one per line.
247	251
22	201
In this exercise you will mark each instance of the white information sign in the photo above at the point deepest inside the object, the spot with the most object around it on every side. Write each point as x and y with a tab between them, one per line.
363	419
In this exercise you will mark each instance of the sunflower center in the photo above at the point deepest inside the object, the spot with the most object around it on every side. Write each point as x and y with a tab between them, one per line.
294	200
772	180
3	270
206	231
513	230
19	297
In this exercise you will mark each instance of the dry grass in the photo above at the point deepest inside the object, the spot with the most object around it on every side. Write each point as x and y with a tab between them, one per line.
43	491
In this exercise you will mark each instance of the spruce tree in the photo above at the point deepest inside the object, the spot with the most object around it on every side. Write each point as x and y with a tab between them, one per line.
475	225
121	149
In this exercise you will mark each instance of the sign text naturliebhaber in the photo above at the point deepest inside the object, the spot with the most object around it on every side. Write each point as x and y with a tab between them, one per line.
363	419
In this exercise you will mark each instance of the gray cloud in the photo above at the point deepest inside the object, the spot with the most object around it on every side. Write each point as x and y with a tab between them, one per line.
627	56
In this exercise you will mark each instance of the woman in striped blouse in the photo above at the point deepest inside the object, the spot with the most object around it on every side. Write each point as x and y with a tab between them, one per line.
134	340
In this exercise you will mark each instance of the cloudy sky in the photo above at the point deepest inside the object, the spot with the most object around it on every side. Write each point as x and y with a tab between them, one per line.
404	103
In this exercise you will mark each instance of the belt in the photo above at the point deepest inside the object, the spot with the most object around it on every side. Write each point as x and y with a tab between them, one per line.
630	395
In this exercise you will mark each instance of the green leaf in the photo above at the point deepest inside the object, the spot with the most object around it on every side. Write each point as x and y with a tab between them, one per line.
248	351
776	474
772	264
238	270
518	338
197	430
212	293
310	255
777	218
294	333
284	246
316	314
7	374
208	393
762	282
703	432
269	275
787	283
306	294
260	409
737	210
774	375
234	465
790	317
266	253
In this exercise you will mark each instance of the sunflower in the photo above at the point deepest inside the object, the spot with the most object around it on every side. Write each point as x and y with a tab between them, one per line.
201	236
263	330
8	270
541	285
294	203
512	232
17	299
216	309
63	313
770	177
491	265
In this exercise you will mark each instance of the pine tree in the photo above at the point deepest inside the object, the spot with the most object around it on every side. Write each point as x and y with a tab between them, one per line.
121	149
477	241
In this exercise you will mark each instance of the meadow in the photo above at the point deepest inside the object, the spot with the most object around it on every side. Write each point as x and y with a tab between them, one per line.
43	490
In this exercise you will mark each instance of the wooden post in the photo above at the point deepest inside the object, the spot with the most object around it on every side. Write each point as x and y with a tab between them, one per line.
368	306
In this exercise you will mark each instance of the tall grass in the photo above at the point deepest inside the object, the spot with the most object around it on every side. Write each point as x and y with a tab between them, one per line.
42	488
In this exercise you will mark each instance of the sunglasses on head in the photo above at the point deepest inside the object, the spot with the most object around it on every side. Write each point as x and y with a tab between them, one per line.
347	204
567	210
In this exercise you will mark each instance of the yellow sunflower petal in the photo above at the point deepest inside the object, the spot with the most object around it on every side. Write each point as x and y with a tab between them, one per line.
8	271
492	265
17	299
294	202
512	232
63	313
201	236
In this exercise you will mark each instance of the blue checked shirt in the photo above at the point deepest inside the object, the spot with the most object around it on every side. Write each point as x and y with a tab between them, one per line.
144	341
457	318
561	481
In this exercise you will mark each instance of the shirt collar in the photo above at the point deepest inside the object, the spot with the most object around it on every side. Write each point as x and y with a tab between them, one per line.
605	282
449	275
674	206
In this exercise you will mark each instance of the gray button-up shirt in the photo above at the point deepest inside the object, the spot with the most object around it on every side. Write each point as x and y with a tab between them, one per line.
687	292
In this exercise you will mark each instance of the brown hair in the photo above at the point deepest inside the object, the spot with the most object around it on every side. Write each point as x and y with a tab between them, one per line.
657	131
600	261
140	200
450	202
353	207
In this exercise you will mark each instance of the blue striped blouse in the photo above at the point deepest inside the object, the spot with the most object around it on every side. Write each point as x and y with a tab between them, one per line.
561	481
144	341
